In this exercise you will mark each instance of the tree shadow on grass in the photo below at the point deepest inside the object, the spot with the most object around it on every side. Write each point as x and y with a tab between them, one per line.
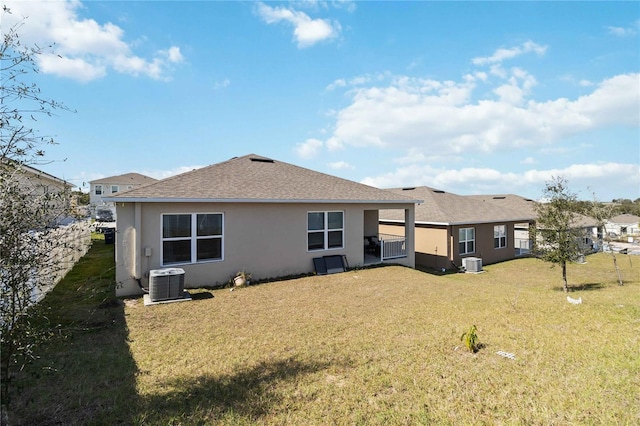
84	375
245	397
583	287
84	372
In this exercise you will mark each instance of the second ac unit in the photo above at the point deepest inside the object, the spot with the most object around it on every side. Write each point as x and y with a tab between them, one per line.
472	264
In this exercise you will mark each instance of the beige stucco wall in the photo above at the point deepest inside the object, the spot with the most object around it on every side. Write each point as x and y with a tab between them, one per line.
431	244
266	239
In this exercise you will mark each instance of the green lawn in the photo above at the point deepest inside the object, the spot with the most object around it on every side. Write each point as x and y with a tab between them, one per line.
375	346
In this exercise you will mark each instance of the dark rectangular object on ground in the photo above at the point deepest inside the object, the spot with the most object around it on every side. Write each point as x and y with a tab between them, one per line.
320	265
329	264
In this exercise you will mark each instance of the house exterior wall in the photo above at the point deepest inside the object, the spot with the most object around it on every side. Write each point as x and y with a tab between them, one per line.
370	222
96	200
436	246
485	244
623	229
265	239
40	185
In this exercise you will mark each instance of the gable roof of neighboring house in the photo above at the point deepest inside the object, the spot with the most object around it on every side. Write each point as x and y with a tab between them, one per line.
625	219
6	162
525	205
253	178
444	208
44	175
583	221
528	206
125	179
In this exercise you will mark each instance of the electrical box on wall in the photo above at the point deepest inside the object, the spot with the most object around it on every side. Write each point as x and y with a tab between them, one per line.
147	251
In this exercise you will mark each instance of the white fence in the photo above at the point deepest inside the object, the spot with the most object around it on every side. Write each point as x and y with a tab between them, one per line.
523	246
67	245
393	246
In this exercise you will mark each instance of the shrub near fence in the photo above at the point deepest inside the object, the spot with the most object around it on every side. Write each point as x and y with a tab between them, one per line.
67	245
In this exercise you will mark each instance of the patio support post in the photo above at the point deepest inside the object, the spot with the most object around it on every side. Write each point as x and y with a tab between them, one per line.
410	235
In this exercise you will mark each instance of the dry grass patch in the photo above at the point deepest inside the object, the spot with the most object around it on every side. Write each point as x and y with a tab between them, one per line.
383	346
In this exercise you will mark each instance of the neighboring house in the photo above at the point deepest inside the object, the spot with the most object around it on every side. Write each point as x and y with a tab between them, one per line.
589	226
38	183
624	225
450	227
105	187
591	233
251	213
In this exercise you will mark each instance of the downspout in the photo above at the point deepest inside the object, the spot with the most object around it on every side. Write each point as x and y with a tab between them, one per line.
137	246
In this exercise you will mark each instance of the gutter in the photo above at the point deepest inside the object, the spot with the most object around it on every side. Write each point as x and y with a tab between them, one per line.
117	199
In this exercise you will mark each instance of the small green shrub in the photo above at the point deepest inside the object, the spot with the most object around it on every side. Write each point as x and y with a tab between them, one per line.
470	339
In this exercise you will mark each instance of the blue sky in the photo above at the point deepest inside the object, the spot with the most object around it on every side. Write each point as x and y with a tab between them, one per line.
468	97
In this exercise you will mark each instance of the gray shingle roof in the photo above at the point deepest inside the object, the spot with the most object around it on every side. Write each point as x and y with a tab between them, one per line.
441	207
126	179
528	206
625	219
515	202
258	179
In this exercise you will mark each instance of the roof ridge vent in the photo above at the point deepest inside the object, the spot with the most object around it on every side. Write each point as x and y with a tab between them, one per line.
438	191
262	160
411	188
499	198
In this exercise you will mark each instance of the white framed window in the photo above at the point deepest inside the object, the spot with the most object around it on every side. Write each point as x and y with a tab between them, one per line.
114	189
98	190
325	230
499	236
192	238
466	240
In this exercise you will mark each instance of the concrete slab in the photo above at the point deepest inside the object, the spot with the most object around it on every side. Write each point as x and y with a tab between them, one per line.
186	297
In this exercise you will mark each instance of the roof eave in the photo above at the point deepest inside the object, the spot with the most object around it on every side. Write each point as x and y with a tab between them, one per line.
116	199
422	222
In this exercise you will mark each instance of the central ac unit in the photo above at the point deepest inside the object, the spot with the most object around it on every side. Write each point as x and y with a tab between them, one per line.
166	284
472	264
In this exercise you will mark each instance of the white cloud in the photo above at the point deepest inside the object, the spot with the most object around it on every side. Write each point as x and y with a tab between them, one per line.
337	83
173	54
334	144
84	49
307	31
466	181
348	5
503	54
528	160
622	32
77	69
340	165
360	80
439	117
517	87
222	84
309	148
